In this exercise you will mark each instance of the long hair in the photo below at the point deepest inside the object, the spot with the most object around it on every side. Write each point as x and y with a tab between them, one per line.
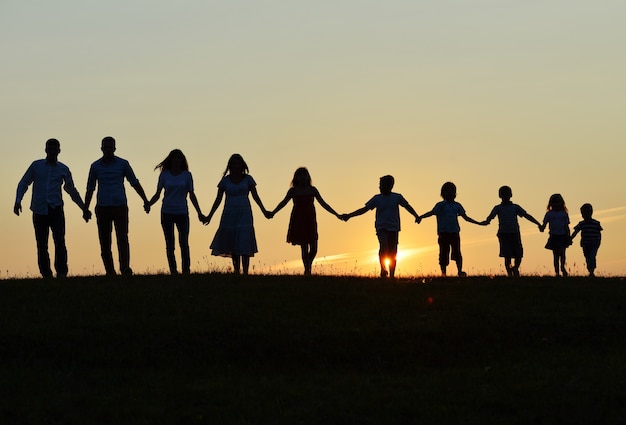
301	178
236	157
556	203
166	164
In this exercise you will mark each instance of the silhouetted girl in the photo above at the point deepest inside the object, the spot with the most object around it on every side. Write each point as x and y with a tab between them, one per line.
303	224
559	238
177	181
235	236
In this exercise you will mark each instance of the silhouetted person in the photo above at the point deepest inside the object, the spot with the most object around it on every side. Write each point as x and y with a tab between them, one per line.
590	237
109	173
177	182
47	177
303	223
235	235
387	223
508	230
559	236
448	229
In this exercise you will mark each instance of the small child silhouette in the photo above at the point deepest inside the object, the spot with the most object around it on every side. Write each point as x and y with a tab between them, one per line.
559	239
590	237
387	222
448	229
508	230
303	223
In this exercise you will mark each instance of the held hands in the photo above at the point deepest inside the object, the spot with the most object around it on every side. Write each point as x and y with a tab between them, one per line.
146	207
86	215
344	217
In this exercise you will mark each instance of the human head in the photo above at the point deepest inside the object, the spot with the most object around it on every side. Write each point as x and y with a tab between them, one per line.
505	193
448	191
586	211
174	155
556	203
53	148
236	164
108	147
386	184
301	178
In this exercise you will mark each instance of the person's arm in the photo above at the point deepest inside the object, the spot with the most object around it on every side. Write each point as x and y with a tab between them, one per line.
216	204
469	219
196	205
70	189
140	192
531	219
257	199
410	209
491	216
153	200
426	215
360	211
323	203
22	187
282	203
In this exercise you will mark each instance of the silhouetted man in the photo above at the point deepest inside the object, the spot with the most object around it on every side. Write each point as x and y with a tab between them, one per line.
47	177
109	173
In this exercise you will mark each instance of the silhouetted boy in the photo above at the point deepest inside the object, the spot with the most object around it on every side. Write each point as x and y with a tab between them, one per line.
387	222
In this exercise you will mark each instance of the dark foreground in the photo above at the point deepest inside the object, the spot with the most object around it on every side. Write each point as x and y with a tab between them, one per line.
213	349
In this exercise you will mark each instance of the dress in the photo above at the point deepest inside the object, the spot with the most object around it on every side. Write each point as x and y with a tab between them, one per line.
235	234
303	223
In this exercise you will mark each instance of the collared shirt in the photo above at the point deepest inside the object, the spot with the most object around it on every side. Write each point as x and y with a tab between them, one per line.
110	178
47	179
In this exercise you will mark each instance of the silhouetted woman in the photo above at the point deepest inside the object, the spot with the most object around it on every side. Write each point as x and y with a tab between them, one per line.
177	182
235	236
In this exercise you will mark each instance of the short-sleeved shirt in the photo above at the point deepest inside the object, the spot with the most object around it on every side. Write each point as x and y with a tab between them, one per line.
589	232
110	178
176	189
47	179
387	210
558	222
507	217
447	213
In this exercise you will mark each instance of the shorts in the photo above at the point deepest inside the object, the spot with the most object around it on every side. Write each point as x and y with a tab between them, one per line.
449	248
510	245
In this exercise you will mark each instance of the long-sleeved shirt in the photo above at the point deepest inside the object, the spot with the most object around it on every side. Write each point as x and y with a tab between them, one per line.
47	180
110	179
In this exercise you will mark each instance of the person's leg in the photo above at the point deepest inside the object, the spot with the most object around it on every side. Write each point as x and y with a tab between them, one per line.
382	252
312	254
562	258
167	223
455	247
516	264
555	255
444	252
392	252
104	220
236	264
508	267
245	263
57	225
42	232
182	224
121	233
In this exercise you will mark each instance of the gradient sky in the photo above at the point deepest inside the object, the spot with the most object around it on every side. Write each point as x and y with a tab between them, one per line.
482	93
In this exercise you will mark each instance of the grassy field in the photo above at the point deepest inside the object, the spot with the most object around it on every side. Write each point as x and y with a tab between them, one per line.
217	349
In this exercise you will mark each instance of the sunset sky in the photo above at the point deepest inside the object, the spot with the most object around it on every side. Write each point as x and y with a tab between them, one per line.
482	93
